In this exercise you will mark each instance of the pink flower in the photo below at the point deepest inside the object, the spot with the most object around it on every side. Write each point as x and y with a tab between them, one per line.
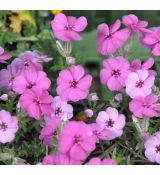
3	56
36	102
139	83
26	61
75	142
110	124
7	77
98	161
8	127
60	159
29	79
88	112
114	73
152	40
152	148
109	39
134	24
48	132
137	64
67	28
143	107
72	85
61	109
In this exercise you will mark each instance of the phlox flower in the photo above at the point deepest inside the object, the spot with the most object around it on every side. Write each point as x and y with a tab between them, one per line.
48	132
61	109
137	64
110	39
3	56
67	28
98	161
72	84
110	124
7	77
8	127
114	73
77	140
36	102
26	61
29	79
152	40
134	24
152	148
60	159
145	107
139	83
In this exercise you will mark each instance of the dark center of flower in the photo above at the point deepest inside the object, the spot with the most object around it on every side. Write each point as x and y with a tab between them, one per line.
139	84
158	148
58	111
11	78
3	126
26	64
37	100
116	73
146	105
77	140
110	123
30	86
73	84
69	27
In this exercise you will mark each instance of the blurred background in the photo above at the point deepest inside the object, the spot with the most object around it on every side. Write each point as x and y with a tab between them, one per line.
30	30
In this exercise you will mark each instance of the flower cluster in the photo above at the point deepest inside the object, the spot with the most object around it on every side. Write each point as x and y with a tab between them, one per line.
71	138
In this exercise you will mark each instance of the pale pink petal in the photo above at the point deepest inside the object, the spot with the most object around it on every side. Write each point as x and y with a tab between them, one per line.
112	113
150	153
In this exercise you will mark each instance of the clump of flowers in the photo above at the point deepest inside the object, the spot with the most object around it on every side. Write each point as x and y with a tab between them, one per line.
52	108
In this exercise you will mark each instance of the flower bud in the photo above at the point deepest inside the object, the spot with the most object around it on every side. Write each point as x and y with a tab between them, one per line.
4	97
118	97
88	113
93	97
70	60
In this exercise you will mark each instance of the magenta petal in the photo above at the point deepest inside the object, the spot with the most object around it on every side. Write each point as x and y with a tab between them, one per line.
34	111
85	82
115	26
81	24
77	152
